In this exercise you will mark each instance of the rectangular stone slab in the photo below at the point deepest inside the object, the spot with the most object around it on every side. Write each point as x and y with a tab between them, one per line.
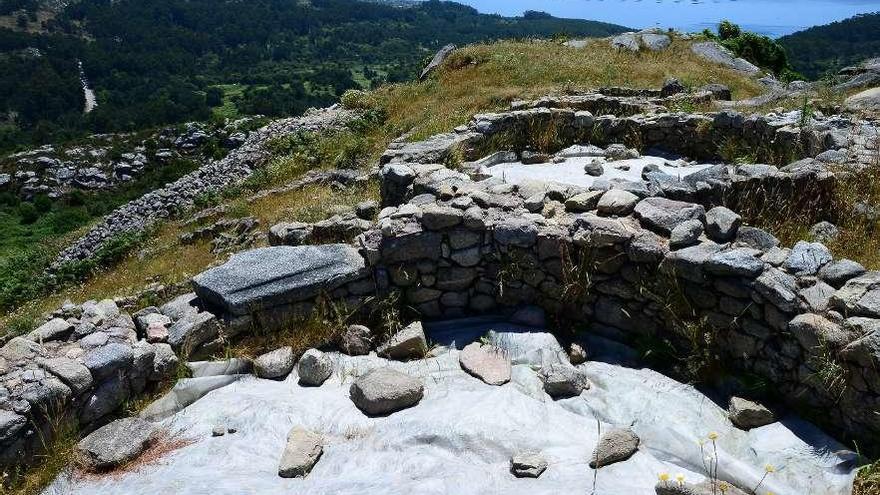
263	278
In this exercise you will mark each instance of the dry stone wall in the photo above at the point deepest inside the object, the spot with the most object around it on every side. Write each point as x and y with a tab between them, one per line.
635	262
76	369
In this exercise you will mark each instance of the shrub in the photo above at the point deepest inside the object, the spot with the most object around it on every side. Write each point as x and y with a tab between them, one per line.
757	49
68	219
728	30
355	99
42	203
28	213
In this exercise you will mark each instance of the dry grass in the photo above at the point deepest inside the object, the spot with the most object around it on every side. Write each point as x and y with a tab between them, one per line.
868	480
161	445
46	467
790	220
323	326
488	77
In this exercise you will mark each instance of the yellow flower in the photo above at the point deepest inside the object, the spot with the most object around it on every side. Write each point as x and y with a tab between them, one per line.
713	436
680	478
769	468
723	486
664	477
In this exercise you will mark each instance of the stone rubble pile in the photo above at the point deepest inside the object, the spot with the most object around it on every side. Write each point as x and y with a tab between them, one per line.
97	165
137	215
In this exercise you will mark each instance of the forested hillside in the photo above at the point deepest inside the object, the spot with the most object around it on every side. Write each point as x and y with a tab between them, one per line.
153	62
823	50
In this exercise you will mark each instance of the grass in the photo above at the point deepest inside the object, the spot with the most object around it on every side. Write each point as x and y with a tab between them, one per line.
790	220
60	452
868	480
488	77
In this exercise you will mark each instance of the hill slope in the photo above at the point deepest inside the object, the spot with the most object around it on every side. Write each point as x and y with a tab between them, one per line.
160	61
826	49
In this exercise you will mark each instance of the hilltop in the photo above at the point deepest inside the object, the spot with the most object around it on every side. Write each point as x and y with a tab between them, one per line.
663	245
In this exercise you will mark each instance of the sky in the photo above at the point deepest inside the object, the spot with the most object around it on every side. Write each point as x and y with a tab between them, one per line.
770	17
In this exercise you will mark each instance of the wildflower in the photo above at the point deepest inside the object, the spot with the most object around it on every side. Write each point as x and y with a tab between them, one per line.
680	479
723	486
713	436
769	468
664	477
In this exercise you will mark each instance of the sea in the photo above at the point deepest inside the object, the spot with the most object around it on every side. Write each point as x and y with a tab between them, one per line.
773	18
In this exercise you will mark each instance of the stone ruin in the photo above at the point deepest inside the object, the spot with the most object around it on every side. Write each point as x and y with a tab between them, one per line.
454	241
608	258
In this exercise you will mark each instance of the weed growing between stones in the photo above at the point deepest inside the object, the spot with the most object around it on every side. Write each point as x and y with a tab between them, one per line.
829	372
691	355
577	274
387	314
56	449
314	327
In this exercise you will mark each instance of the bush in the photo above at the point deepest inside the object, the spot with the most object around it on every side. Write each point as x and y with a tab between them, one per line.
28	213
355	99
728	30
762	51
68	219
43	204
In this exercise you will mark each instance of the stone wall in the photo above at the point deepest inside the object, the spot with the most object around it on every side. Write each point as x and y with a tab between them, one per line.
75	370
139	214
649	261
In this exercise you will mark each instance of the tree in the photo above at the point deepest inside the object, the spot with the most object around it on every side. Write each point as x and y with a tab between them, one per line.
728	30
21	21
214	96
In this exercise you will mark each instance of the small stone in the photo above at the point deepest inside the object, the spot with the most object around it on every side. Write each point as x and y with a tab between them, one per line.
576	354
824	232
486	363
301	453
686	234
383	391
746	414
314	368
662	215
367	209
218	431
435	217
356	340
617	202
807	258
157	332
722	224
594	168
756	238
54	329
583	202
839	272
620	152
528	465
274	365
616	445
563	380
408	343
671	86
115	444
